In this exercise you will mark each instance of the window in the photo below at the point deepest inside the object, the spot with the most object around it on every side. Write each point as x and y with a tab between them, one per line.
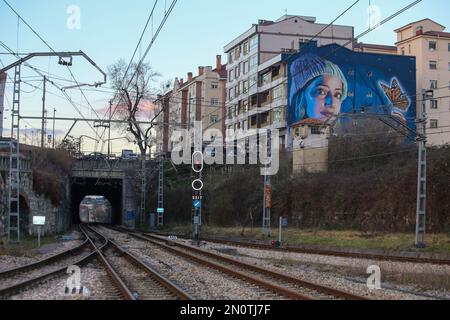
230	93
230	75
278	114
236	91
264	117
403	51
237	72
252	81
246	48
214	102
315	130
433	124
449	47
245	67
245	86
265	78
278	92
449	66
241	87
253	61
254	43
237	53
214	119
231	57
434	104
214	85
432	45
245	105
433	84
433	65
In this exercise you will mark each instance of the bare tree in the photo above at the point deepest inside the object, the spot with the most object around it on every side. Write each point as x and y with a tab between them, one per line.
134	100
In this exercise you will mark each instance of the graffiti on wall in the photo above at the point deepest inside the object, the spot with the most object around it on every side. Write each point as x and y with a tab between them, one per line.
329	81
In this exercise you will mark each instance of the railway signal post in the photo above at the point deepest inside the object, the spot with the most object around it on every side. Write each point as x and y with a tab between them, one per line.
197	186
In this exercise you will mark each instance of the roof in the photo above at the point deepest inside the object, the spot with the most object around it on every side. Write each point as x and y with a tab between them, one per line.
437	34
309	122
375	46
409	24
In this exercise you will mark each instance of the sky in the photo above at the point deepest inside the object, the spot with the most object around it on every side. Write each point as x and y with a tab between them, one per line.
195	32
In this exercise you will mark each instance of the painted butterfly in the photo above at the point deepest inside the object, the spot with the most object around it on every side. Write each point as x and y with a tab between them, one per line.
396	96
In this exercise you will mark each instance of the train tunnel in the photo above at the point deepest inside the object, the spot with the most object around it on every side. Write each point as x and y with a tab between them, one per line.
111	189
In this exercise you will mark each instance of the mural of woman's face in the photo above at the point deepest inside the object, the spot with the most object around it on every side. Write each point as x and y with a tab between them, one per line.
324	97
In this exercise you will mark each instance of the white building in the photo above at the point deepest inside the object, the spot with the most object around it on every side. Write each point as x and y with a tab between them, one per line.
426	40
257	72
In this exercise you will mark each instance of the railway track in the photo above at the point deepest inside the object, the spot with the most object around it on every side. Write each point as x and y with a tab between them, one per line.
15	280
322	252
280	284
133	277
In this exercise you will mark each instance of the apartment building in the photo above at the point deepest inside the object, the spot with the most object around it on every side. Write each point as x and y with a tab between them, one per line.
257	71
199	98
426	40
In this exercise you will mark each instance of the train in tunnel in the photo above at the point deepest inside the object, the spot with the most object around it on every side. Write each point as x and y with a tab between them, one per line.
95	209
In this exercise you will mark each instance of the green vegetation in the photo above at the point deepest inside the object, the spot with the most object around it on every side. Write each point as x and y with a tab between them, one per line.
50	171
438	243
26	248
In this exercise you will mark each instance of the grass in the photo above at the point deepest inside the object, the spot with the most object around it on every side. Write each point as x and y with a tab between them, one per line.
436	243
26	247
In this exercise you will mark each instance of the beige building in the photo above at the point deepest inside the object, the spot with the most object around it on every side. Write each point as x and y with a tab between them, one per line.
199	98
257	73
375	48
427	41
310	147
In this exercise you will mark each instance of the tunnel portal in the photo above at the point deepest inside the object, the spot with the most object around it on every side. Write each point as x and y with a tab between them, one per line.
111	189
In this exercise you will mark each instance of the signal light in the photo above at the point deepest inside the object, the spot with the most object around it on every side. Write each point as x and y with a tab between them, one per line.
197	161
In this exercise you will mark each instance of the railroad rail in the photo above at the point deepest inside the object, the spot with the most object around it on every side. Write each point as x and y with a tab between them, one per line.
56	263
281	284
322	252
133	277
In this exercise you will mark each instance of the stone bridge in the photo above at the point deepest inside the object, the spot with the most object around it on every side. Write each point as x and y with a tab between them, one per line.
116	179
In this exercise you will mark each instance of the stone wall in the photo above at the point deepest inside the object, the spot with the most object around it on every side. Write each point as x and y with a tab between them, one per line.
57	218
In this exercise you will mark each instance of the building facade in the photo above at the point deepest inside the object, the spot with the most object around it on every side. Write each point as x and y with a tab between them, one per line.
198	99
257	73
427	41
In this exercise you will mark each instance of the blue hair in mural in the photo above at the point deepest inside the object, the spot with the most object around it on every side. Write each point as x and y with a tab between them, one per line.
331	80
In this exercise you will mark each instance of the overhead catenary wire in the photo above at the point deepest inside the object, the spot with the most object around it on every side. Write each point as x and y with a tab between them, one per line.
52	83
70	71
155	36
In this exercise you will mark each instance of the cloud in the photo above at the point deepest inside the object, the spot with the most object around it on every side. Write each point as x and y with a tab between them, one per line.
146	109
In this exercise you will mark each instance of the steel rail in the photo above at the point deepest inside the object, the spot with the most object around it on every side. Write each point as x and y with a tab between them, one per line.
11	271
318	251
184	251
153	274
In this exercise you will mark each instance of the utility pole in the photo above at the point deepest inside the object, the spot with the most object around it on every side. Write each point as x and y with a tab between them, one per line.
43	113
53	134
143	188
422	173
267	199
161	189
109	130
